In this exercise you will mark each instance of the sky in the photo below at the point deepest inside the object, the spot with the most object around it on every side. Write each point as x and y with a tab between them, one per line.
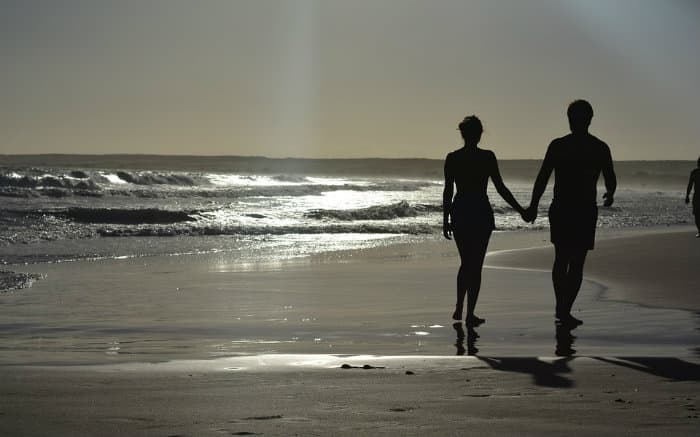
346	78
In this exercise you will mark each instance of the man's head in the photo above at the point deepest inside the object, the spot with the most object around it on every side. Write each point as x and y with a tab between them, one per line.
580	114
471	129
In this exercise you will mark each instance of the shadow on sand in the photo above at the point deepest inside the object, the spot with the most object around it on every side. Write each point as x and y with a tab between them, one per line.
551	373
547	374
673	369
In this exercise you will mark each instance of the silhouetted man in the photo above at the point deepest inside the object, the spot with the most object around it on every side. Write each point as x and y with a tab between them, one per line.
695	181
576	160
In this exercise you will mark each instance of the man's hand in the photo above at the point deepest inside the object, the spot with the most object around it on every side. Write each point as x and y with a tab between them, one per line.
609	199
529	214
447	230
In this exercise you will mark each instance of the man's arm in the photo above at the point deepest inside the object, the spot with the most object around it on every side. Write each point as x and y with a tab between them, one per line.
447	194
541	183
610	178
691	182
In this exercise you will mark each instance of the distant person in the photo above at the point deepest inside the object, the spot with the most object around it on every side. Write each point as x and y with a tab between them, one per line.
577	160
469	216
694	181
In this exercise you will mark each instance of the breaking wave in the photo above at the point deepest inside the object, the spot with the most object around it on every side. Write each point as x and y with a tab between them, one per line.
379	212
126	216
46	181
291	178
413	229
149	178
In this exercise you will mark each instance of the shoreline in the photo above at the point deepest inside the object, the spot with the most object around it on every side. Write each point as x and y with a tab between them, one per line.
392	300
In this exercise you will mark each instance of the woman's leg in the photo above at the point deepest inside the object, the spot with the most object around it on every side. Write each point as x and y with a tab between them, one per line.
472	251
462	247
477	252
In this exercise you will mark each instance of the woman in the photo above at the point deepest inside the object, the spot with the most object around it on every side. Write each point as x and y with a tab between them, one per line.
470	211
695	181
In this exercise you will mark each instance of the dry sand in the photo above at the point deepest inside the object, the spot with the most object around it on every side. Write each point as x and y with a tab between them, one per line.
311	395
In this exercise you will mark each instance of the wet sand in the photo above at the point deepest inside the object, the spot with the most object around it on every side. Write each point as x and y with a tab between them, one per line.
659	269
177	346
433	397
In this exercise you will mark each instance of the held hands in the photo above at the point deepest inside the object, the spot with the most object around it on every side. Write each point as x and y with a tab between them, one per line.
609	199
530	214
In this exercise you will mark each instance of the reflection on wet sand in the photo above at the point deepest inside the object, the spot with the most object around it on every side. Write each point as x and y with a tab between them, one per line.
563	348
565	340
471	337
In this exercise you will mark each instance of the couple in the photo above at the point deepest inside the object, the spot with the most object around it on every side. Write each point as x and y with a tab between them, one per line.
576	159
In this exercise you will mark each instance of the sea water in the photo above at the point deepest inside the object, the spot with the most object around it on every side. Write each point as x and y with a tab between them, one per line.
65	207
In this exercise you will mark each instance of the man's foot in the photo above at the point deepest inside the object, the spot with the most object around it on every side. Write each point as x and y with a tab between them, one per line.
473	320
457	315
569	320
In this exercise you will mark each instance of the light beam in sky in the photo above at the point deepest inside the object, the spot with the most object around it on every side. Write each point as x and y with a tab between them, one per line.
295	115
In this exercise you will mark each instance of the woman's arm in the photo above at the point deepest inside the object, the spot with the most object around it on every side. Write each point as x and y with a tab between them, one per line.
447	194
502	189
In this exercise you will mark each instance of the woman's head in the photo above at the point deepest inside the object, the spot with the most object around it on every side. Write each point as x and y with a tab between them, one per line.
471	129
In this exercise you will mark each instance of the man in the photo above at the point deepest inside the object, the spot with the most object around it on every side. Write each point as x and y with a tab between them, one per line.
694	181
577	160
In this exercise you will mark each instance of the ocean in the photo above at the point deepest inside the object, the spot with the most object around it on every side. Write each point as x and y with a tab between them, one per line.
57	208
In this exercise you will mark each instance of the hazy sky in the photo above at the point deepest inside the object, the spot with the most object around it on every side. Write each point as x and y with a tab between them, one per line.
346	78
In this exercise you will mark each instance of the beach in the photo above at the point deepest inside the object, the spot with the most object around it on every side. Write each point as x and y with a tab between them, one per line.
231	218
260	349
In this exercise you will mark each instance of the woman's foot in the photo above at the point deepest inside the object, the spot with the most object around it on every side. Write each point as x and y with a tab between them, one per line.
473	320
457	315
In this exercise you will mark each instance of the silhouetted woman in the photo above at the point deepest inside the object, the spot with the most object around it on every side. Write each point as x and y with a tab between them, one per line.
695	180
470	211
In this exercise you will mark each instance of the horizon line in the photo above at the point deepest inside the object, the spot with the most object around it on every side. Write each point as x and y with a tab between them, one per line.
160	155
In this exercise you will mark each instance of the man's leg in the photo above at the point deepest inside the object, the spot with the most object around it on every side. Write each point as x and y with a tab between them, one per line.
574	277
559	279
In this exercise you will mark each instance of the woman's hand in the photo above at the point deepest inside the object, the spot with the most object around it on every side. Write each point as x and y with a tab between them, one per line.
447	229
530	214
687	200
